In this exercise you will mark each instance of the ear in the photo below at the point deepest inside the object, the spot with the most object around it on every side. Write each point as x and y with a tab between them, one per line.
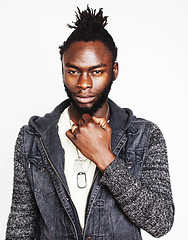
115	70
62	64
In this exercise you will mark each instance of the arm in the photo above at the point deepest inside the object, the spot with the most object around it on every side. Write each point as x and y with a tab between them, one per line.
147	202
93	138
21	222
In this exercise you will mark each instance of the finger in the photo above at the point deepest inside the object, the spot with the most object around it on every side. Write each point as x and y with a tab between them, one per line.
74	128
81	123
101	122
70	135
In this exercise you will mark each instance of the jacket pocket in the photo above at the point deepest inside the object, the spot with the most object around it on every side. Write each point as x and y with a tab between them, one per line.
42	182
134	160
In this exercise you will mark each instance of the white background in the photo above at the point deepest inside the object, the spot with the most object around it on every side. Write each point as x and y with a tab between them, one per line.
152	37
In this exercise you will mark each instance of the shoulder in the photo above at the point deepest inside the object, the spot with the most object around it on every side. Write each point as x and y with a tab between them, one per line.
144	128
153	128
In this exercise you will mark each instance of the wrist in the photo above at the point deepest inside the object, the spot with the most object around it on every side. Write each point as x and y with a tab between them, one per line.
105	161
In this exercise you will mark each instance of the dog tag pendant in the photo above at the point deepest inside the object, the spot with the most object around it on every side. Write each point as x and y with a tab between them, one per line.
81	180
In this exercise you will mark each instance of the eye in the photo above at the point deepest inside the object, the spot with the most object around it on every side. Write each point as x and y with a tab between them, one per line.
97	72
73	72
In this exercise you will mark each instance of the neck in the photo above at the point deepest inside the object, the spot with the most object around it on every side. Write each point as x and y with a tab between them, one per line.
104	112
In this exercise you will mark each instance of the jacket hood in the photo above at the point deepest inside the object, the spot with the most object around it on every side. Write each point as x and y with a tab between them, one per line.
121	117
41	124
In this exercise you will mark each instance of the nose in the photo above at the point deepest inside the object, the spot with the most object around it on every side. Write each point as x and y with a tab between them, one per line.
85	81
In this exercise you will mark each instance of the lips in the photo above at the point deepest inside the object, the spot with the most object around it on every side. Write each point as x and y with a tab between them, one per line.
85	99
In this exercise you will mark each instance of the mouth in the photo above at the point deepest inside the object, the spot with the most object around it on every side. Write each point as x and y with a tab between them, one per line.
85	99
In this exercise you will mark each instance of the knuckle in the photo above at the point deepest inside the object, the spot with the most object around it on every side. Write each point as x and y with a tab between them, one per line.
90	123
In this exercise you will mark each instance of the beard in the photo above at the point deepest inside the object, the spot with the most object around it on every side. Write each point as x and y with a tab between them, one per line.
98	104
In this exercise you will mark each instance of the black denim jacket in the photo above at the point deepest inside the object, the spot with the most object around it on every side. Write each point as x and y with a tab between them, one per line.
134	192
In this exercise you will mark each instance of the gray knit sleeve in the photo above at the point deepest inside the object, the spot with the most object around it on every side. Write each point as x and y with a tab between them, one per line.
22	218
148	201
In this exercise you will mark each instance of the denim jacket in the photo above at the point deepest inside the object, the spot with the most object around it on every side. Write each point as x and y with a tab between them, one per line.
119	202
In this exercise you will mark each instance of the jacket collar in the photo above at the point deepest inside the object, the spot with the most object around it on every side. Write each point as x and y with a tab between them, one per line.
120	118
42	124
120	122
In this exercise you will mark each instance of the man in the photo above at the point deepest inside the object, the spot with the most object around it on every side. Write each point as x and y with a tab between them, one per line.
90	169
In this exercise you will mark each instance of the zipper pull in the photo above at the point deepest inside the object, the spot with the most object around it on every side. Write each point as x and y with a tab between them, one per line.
82	233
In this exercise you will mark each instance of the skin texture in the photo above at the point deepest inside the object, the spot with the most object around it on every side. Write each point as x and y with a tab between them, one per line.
87	71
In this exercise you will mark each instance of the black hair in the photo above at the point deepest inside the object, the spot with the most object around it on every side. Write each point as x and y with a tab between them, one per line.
90	26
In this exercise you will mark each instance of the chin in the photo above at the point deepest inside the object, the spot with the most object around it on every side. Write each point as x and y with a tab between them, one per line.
86	108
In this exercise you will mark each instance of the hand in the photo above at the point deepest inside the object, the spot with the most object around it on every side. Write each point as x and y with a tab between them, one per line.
93	139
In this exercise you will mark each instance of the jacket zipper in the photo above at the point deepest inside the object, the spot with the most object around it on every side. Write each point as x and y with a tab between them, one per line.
53	167
41	142
83	230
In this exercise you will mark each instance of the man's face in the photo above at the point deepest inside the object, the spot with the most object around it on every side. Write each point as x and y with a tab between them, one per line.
88	74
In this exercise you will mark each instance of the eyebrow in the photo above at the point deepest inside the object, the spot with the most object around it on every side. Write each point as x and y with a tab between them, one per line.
90	68
97	66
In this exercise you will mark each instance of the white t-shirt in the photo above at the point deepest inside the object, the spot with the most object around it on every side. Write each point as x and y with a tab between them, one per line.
72	168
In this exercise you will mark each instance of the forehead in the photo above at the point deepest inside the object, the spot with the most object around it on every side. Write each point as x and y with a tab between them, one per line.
87	54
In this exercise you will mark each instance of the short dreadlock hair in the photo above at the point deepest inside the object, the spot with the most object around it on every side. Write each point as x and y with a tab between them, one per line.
90	26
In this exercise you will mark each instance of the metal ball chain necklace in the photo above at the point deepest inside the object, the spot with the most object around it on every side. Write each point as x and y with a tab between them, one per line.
79	162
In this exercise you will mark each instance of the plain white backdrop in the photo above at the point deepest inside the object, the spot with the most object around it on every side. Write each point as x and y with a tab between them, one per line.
152	38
